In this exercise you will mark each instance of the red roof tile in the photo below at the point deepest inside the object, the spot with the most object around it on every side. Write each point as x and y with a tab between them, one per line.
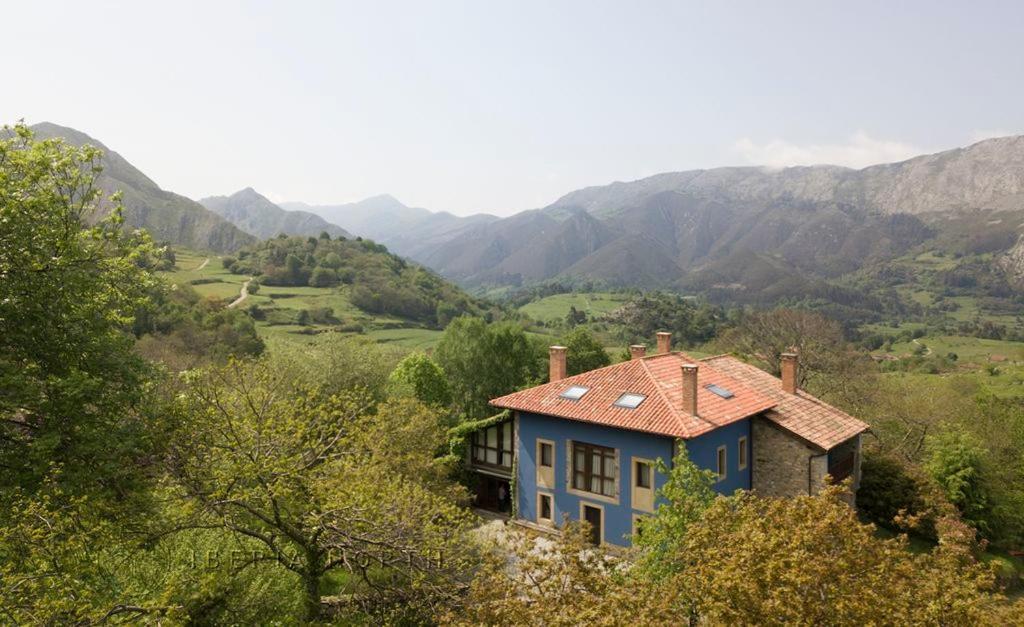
657	377
801	414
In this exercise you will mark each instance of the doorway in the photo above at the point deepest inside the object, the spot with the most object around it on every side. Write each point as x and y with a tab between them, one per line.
494	494
593	515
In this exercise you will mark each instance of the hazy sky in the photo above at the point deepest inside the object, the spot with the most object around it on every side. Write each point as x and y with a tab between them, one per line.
481	106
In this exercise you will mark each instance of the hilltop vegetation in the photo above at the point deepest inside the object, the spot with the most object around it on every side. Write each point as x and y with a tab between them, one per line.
378	281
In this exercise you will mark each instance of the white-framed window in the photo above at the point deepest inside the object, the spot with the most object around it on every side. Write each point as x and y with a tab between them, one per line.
642	484
722	461
545	460
742	453
545	508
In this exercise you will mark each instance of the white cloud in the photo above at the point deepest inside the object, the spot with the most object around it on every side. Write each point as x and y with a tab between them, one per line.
859	151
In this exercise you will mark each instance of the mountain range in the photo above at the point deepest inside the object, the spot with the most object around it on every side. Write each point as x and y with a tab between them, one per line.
749	231
167	216
256	215
739	233
408	231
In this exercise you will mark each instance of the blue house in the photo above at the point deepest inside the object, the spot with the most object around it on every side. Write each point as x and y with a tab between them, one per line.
585	447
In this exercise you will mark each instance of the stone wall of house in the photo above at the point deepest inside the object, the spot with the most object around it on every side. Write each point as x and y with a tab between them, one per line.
781	461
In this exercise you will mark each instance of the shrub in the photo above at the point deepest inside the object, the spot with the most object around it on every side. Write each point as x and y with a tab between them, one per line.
323	277
890	489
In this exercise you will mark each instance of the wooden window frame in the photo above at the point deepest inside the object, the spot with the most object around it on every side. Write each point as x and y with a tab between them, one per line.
647	474
500	448
742	452
604	517
722	455
570	466
540	453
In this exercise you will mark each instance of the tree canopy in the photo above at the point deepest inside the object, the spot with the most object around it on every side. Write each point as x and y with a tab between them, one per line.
484	361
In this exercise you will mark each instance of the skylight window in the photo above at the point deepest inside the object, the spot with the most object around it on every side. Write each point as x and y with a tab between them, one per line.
575	392
629	400
714	389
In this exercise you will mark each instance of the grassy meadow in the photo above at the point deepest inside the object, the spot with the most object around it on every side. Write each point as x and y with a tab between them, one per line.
556	307
280	306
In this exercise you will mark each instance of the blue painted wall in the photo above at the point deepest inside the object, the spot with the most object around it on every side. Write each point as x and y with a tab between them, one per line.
703	451
618	521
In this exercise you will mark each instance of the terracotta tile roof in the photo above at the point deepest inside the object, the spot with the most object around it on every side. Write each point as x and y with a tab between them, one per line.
659	378
801	414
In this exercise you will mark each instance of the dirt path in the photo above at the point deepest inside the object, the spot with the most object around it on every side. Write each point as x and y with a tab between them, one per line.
927	349
202	265
243	294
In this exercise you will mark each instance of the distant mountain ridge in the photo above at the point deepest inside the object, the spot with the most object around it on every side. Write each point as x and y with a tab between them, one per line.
258	216
749	231
408	231
166	215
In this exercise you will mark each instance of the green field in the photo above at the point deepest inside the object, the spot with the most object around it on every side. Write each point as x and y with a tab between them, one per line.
214	279
968	349
281	304
556	307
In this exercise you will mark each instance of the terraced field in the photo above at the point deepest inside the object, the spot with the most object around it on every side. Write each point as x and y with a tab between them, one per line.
280	308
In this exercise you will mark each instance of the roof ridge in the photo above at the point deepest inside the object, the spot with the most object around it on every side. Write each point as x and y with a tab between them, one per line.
718	356
800	392
659	391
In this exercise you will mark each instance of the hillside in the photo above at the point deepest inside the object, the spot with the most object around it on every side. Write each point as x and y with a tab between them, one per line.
375	280
166	215
256	215
408	231
754	234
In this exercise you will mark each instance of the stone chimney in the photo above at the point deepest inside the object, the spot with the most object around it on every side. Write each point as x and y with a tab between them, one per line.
790	365
690	388
636	351
664	342
556	363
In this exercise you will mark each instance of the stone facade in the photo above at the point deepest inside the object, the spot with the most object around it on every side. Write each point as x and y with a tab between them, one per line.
783	465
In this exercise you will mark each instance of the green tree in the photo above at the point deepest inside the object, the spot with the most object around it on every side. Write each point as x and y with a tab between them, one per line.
419	376
955	461
687	494
585	352
808	560
326	485
70	282
323	277
76	438
331	260
485	361
295	271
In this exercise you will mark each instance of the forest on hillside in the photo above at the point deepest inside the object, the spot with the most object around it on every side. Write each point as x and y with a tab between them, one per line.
380	281
162	466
